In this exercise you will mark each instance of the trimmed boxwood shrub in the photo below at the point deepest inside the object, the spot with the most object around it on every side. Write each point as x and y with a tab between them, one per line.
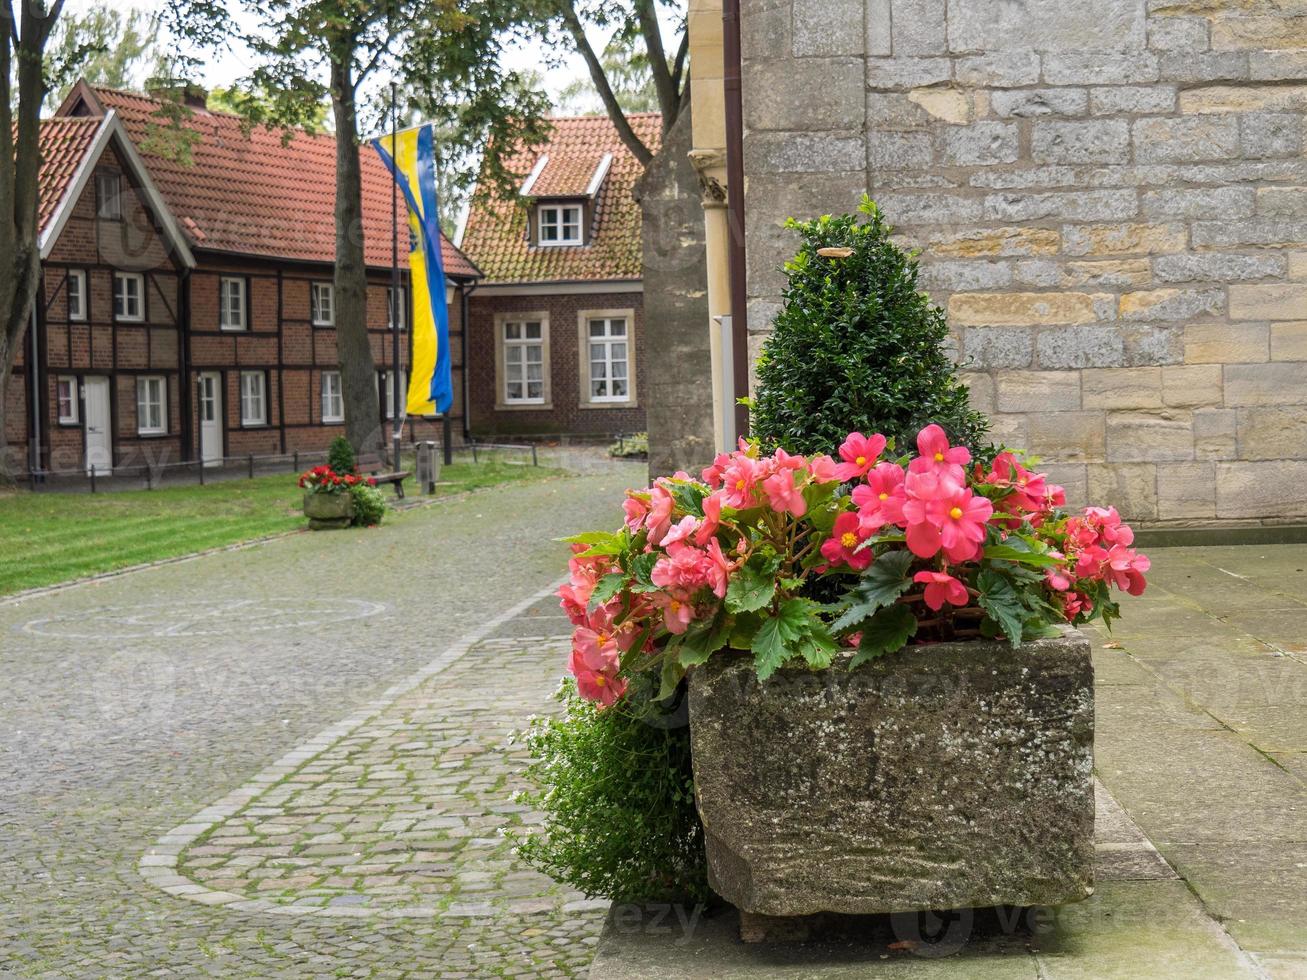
857	346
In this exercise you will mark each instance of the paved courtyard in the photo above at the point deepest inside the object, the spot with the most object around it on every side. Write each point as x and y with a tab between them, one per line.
294	760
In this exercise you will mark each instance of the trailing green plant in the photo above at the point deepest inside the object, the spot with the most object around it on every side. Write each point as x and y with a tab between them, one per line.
341	458
857	346
616	790
369	504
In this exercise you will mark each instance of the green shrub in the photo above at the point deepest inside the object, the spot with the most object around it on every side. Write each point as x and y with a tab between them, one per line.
617	793
340	457
857	347
630	447
369	504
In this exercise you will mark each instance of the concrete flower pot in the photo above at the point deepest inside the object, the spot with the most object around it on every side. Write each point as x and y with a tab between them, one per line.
328	510
947	776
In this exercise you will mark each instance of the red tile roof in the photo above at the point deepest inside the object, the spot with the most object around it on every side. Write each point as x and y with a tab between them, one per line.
64	143
495	237
251	194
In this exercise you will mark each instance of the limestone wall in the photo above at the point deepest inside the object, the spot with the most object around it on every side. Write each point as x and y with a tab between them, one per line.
1111	200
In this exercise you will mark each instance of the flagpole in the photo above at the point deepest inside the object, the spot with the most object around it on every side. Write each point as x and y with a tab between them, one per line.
397	433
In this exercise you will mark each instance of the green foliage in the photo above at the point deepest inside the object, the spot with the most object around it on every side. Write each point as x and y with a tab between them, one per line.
369	505
340	456
857	346
886	631
617	793
634	446
106	45
880	585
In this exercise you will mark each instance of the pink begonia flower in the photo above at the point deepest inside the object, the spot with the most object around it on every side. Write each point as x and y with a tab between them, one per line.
880	500
853	640
783	496
683	530
942	588
598	683
585	573
660	513
941	514
841	546
712	518
937	456
824	470
859	454
784	461
677	613
1125	569
718	568
738	480
636	510
1057	580
712	475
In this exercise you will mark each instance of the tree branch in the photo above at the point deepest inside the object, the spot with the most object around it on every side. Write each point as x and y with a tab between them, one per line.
567	9
662	78
678	69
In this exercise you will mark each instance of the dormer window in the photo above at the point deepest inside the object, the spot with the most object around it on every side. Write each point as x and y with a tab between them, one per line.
559	224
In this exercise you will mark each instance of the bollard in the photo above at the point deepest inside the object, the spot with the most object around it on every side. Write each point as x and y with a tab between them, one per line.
92	478
251	466
535	460
474	451
202	468
296	464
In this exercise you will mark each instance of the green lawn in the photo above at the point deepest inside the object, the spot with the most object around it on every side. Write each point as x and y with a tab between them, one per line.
47	538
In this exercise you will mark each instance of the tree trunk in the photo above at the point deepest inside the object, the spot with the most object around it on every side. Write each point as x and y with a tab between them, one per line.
354	351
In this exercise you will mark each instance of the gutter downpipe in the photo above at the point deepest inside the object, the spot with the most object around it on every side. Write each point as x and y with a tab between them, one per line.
731	82
465	291
34	460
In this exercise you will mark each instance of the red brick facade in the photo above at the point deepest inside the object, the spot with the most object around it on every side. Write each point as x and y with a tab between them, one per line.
566	409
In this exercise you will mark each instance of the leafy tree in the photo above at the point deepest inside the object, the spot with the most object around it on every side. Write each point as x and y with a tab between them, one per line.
246	103
106	45
27	32
308	50
857	347
631	78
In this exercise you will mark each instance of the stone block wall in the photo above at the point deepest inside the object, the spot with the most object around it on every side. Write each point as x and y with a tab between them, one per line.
1110	197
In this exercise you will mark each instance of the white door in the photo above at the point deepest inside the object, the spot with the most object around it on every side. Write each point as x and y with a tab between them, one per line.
99	425
211	418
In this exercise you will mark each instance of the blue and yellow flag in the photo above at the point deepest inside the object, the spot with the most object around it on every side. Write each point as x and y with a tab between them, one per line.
410	156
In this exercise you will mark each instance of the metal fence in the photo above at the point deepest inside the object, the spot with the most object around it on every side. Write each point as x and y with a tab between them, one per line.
154	475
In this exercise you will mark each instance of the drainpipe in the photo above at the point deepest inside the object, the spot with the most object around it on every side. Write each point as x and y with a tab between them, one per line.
465	291
735	204
184	389
34	358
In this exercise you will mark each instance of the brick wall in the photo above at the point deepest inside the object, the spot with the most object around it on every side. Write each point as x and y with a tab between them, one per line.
1111	201
565	412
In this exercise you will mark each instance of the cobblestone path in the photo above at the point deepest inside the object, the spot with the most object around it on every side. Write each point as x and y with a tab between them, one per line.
130	706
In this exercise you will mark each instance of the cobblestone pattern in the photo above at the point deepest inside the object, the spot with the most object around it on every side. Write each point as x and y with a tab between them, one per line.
1108	196
107	745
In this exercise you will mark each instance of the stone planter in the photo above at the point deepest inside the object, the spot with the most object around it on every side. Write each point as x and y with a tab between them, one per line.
328	510
948	776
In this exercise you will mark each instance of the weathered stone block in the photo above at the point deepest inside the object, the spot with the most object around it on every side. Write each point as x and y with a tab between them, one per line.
1046	25
954	776
950	105
999	69
1098	205
918	27
1037	391
821	28
1186	34
996	241
894	110
1152	343
898	151
1282	202
879	41
1216	267
1149	436
1098	141
1071	478
1109	274
979	144
1039	272
911	209
1139	239
1214	433
1272	301
963	276
1272	432
778	153
1289	341
1188	67
1117	388
1225	343
769	200
1066	435
777	94
998	347
980	390
1297	265
1259	32
1040	102
1270	134
905	73
1132	488
1022	309
1184	139
1204	202
1008	430
1274	232
1251	489
1092	67
1114	100
1276	66
1172	304
1243	98
1275	383
765	29
1186	491
1080	347
1191	385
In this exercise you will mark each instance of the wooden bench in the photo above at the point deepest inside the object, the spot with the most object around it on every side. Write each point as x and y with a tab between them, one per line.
372	465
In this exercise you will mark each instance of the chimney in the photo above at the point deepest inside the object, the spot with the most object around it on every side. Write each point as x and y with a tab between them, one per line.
190	94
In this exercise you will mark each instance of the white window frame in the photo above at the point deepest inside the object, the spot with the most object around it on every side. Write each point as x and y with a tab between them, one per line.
317	291
72	416
226	307
333	399
122	278
390	308
388	390
109	195
554	216
76	276
252	397
583	321
503	345
144	402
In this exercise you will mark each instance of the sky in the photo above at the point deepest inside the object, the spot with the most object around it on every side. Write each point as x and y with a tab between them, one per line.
228	67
